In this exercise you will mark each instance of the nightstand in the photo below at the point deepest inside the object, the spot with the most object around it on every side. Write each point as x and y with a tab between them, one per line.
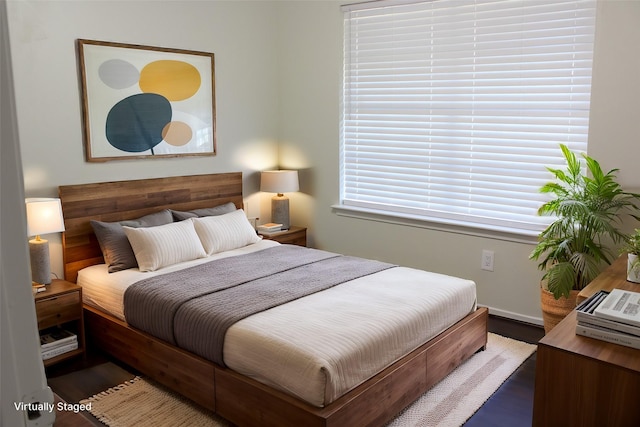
292	236
60	305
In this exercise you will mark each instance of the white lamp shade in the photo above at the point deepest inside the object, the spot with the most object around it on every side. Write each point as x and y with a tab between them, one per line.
44	216
282	181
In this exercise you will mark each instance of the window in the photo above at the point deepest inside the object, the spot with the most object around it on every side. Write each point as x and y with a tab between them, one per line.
453	109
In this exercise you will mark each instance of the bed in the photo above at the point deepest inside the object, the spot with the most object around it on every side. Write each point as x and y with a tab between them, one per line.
242	386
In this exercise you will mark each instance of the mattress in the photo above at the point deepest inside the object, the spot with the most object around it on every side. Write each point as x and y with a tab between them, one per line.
321	346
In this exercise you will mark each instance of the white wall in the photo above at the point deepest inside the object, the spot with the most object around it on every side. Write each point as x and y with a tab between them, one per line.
278	72
614	132
310	39
242	35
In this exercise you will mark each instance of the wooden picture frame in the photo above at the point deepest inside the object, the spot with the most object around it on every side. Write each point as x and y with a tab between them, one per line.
146	102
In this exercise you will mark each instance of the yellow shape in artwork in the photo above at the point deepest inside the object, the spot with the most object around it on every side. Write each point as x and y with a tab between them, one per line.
175	80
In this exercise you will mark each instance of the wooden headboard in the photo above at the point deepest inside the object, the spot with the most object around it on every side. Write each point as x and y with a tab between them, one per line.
122	200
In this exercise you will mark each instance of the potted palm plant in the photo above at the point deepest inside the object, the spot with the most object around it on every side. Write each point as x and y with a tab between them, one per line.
631	247
587	210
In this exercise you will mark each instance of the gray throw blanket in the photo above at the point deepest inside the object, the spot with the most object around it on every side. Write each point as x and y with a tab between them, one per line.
194	307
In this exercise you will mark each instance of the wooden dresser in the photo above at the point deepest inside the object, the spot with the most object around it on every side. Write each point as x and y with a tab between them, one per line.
583	381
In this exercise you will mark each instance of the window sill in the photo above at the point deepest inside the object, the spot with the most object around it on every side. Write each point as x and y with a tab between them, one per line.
438	224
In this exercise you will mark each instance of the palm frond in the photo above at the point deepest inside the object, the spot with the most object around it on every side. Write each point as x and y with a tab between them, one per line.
588	210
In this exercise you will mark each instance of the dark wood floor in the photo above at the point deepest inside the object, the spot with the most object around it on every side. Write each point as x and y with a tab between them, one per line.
510	406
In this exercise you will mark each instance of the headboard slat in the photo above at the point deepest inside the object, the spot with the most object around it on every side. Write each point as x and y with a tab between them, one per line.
122	200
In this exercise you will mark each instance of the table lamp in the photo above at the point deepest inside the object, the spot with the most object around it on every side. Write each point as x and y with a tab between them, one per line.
279	182
44	216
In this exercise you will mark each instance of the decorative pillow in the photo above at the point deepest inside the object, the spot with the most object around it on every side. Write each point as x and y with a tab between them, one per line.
225	232
114	244
164	245
159	218
214	211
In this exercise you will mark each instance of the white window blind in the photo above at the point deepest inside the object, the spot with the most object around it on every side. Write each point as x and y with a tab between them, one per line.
452	109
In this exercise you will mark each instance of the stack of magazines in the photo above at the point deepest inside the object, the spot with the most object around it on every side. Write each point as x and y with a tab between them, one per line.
57	341
611	316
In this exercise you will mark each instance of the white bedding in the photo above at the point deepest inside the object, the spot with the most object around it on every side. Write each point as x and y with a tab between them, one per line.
323	345
105	290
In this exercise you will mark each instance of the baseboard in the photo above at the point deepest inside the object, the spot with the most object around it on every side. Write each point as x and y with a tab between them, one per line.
514	316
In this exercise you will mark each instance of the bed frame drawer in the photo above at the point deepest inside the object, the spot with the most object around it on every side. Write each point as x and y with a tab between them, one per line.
448	351
186	373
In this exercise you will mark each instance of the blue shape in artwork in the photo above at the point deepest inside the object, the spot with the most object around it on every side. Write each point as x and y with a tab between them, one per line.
135	124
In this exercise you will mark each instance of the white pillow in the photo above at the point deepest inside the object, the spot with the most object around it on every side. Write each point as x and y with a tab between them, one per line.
164	245
225	232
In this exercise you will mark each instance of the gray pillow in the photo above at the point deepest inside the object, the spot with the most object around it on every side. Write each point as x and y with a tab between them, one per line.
214	211
115	246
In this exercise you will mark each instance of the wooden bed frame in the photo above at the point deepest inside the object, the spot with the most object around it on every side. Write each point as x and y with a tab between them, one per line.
235	397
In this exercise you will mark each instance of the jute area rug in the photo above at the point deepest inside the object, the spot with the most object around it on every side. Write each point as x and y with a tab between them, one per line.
451	402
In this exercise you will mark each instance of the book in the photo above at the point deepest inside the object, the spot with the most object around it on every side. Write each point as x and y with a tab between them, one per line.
610	324
586	317
608	335
57	351
56	337
621	306
588	306
270	227
37	287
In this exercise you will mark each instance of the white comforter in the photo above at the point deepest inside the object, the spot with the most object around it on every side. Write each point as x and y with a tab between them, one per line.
321	346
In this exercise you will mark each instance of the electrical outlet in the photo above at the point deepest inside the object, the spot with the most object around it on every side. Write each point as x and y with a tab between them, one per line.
487	260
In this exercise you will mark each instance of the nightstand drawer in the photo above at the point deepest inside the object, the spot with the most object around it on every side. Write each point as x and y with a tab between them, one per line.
299	238
58	309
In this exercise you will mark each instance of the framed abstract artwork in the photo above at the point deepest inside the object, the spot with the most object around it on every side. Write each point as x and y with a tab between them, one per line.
146	102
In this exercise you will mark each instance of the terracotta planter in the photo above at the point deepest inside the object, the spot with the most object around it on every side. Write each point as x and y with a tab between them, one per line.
554	310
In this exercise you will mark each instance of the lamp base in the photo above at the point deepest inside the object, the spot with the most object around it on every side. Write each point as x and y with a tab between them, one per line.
280	210
40	266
